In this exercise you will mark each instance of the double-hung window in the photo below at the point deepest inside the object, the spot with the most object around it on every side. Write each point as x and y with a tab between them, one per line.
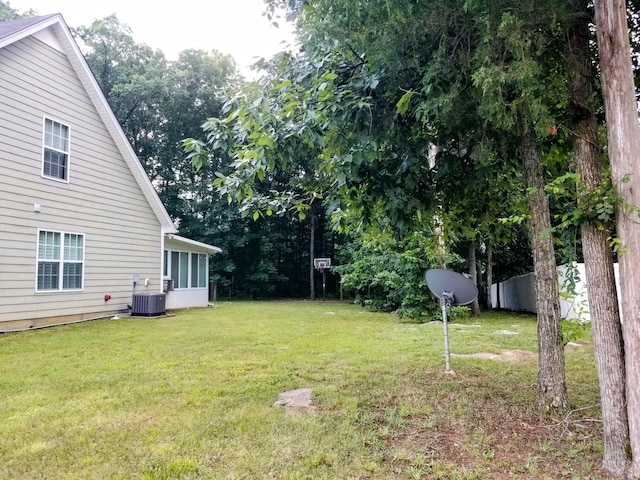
55	161
60	261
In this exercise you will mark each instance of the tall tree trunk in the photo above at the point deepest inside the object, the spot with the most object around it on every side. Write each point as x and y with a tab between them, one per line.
623	132
432	154
601	284
473	273
489	276
312	247
551	389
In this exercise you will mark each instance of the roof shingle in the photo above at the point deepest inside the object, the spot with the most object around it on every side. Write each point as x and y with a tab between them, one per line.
15	26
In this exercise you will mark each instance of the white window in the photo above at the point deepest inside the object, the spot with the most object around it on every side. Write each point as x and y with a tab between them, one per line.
60	261
55	161
187	270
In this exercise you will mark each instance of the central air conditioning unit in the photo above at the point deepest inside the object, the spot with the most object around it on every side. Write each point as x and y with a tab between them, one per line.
148	304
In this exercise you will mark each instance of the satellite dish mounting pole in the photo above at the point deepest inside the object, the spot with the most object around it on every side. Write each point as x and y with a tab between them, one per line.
445	301
443	284
447	354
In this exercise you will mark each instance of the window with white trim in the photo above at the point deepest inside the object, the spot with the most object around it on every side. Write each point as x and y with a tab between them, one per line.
60	261
187	270
198	270
55	160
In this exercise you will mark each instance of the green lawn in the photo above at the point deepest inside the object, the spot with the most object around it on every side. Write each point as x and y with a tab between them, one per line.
191	397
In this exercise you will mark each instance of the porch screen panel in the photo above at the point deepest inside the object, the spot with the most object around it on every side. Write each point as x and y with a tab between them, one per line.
194	270
202	270
175	267
183	281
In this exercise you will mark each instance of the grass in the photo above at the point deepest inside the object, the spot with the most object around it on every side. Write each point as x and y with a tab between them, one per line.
190	397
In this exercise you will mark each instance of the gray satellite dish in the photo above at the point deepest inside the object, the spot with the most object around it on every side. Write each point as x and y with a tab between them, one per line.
452	289
442	281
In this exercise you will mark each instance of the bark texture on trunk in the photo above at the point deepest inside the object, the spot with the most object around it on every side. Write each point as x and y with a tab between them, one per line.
598	258
473	273
312	253
551	389
623	132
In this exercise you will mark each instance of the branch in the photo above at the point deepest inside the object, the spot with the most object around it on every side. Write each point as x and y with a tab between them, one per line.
567	423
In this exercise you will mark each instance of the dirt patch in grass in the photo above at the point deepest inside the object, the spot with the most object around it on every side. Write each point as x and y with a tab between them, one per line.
505	448
477	430
503	356
511	355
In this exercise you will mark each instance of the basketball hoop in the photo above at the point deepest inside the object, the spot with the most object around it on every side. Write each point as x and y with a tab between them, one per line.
321	263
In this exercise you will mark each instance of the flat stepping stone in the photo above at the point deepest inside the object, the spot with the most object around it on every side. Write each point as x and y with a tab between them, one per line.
299	399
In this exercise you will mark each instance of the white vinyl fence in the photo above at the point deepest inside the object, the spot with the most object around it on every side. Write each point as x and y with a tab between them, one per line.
519	293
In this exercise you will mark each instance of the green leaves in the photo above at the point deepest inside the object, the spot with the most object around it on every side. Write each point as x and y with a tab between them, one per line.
403	104
280	136
196	151
581	205
386	274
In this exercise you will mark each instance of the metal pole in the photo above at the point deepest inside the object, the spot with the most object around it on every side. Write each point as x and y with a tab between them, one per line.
447	360
324	283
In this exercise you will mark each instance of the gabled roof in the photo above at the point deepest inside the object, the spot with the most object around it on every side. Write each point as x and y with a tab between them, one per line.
15	27
13	31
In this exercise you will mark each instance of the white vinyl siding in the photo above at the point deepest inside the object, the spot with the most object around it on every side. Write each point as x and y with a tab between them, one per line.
188	270
60	261
103	201
55	160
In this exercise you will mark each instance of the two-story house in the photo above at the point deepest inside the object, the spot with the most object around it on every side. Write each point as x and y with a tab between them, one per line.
81	226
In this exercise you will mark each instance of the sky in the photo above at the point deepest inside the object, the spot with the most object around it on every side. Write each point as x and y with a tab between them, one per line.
234	27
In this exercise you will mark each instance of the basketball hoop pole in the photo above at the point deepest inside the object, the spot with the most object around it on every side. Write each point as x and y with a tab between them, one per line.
324	282
322	264
323	270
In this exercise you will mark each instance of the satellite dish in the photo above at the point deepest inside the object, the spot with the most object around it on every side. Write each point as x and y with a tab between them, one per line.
452	289
444	283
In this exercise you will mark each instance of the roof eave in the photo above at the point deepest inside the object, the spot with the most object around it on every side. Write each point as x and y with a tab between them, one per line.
194	243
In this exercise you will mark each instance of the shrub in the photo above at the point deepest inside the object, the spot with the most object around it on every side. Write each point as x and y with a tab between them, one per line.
459	312
388	275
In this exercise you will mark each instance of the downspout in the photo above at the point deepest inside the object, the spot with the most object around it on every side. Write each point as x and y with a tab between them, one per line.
163	233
